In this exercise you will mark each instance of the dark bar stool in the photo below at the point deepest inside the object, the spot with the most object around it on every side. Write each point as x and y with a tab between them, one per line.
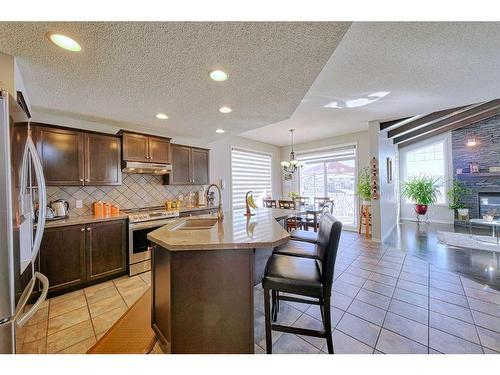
311	278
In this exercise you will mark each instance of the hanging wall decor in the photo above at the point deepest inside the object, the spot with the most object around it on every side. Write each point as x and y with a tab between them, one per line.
374	178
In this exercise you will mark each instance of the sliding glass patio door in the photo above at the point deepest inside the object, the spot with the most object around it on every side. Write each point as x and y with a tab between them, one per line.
332	174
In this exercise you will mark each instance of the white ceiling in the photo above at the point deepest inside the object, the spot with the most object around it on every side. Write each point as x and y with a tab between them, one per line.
128	71
425	67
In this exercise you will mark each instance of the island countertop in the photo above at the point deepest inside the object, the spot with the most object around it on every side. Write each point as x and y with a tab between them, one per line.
236	231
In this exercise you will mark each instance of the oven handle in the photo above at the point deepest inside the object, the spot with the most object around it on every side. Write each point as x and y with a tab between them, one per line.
148	225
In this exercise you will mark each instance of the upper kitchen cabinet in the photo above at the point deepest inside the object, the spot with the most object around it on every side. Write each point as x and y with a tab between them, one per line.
102	160
61	153
189	166
145	148
74	157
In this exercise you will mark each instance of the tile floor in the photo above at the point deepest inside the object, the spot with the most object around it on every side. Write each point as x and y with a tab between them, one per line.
71	323
384	301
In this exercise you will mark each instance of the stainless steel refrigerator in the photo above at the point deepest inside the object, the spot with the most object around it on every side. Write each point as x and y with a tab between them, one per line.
22	188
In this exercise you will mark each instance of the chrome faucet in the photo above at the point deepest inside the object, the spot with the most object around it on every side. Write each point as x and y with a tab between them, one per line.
220	214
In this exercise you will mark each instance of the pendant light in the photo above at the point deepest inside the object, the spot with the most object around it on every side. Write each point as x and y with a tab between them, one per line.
292	165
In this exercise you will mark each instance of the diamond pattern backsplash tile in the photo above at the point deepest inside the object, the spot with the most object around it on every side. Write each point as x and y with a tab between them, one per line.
136	191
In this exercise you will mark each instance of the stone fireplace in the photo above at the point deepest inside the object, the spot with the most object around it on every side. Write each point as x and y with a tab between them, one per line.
485	186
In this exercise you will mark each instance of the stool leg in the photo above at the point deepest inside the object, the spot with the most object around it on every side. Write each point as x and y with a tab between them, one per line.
274	306
267	308
328	324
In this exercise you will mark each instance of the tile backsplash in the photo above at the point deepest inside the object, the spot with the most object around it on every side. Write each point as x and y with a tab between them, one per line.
136	191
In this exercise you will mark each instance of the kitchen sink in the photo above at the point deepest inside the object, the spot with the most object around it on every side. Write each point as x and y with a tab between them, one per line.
196	224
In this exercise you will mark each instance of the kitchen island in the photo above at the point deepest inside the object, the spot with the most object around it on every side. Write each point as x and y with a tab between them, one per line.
203	273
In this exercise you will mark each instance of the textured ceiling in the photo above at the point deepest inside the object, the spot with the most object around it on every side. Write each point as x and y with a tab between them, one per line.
128	71
425	67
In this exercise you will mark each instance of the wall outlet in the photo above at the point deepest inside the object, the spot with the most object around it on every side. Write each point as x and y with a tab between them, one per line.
78	203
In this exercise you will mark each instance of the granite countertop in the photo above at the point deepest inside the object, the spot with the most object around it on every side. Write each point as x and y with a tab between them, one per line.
76	220
236	231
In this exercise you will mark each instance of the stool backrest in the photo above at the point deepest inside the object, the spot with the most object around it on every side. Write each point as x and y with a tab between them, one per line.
328	243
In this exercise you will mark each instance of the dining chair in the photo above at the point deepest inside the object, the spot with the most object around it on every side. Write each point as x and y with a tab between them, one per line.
320	201
269	203
301	201
293	222
302	277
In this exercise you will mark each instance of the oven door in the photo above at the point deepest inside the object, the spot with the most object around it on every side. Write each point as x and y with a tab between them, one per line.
139	246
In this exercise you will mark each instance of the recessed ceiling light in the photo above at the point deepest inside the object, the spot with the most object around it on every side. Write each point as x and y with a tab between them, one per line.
220	131
65	42
162	116
225	110
218	75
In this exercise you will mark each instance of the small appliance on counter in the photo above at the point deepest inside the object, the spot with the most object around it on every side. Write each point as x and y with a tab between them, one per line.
60	207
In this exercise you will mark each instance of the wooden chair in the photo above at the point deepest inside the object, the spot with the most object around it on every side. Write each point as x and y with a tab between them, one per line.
293	222
301	201
320	201
269	203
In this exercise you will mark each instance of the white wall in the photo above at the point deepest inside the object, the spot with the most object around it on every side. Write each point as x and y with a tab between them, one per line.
385	209
220	163
437	213
361	140
7	73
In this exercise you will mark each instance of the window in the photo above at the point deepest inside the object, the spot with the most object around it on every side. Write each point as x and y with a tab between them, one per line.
428	160
331	173
250	170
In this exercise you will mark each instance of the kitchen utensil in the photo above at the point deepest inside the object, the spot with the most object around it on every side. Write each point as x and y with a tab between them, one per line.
60	207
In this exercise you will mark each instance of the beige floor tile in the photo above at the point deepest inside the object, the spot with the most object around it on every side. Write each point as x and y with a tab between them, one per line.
35	347
69	304
40	316
67	320
105	305
80	347
104	321
35	332
126	283
156	349
65	297
99	335
146	277
69	336
132	295
97	287
96	295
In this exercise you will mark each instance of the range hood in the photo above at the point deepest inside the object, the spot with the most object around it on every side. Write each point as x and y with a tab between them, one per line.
133	167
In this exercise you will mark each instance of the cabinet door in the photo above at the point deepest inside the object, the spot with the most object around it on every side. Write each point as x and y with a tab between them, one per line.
106	248
135	147
181	165
61	152
102	160
159	150
62	256
200	166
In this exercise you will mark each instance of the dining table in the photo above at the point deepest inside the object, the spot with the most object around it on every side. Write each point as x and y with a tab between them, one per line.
309	210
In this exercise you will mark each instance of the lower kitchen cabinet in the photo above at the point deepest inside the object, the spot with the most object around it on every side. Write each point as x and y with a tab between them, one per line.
77	256
106	249
62	256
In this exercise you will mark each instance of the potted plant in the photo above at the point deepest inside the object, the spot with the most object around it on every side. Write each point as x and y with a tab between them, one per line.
364	186
422	191
293	195
455	194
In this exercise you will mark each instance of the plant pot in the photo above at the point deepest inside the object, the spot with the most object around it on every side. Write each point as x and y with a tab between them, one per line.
421	209
463	211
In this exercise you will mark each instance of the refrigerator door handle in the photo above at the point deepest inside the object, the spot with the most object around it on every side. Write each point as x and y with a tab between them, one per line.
21	318
42	198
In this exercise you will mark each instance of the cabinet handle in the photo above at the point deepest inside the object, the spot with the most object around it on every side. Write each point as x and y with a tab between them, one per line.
81	179
82	230
89	229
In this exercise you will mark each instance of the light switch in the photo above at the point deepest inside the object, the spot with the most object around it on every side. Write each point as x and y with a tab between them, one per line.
79	204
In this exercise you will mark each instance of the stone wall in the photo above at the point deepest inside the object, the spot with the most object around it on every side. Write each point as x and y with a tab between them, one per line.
486	153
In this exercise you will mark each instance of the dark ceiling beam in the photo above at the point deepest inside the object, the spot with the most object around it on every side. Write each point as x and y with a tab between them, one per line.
473	115
388	125
426	120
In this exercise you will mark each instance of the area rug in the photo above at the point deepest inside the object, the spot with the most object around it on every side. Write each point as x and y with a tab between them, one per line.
464	240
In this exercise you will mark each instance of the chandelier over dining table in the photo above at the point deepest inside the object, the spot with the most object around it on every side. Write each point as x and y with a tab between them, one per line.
292	165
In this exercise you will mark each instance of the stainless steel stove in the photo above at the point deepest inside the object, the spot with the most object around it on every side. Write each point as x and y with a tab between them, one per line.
141	222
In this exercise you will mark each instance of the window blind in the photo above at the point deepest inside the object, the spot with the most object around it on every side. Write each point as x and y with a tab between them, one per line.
334	154
250	170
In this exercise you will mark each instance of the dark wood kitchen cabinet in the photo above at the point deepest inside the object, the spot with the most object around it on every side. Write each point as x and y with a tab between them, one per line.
74	157
76	256
62	256
145	148
61	154
190	166
102	160
105	248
